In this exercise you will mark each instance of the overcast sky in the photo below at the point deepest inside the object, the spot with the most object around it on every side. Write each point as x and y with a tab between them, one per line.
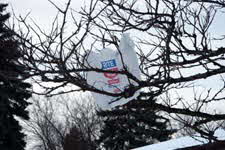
43	13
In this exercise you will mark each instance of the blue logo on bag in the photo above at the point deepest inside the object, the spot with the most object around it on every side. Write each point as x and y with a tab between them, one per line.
108	64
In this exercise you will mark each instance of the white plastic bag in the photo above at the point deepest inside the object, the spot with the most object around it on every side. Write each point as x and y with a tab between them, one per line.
109	59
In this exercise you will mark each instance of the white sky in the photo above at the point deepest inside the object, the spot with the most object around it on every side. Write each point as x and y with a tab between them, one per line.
43	12
40	7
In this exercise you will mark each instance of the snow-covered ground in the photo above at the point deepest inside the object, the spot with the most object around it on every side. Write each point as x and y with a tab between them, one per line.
182	142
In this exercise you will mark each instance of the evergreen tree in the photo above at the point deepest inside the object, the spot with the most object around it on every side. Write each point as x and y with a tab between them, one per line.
13	90
131	126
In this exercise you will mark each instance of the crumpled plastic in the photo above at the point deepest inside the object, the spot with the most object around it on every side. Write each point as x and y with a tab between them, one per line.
114	60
